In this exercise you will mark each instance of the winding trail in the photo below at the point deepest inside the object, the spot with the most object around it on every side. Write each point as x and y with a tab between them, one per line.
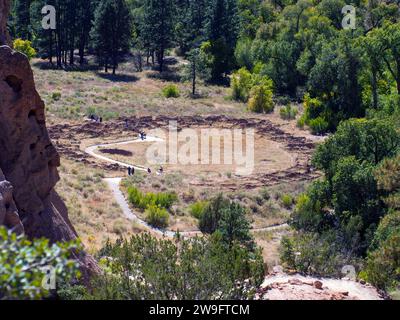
114	185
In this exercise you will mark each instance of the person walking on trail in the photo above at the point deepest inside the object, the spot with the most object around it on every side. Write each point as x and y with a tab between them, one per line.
129	171
148	170
132	171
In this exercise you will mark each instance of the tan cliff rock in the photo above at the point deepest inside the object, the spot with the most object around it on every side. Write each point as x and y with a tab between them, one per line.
28	159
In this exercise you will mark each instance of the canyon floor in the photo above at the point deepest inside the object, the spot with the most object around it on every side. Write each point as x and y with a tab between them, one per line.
132	102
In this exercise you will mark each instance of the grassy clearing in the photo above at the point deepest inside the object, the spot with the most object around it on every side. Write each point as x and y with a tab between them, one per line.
73	94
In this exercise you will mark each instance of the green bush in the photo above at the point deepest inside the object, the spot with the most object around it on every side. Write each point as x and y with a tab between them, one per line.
301	122
171	91
197	209
288	112
25	47
241	85
261	99
318	125
22	262
146	268
56	96
157	217
287	201
143	201
383	264
314	254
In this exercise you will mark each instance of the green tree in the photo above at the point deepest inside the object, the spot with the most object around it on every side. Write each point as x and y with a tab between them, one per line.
144	267
23	27
222	32
158	26
112	31
228	219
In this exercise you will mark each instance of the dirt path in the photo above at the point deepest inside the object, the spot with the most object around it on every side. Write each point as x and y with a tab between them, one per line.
114	185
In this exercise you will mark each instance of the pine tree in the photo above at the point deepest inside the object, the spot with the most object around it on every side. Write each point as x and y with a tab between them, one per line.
221	29
112	31
22	19
158	27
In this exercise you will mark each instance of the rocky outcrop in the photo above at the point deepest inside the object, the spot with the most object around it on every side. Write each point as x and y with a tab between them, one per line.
28	159
4	10
8	211
281	286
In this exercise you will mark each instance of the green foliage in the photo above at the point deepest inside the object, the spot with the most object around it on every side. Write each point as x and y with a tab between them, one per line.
25	47
244	82
345	208
212	215
366	140
197	209
171	91
287	201
157	217
241	85
227	218
311	253
301	122
383	264
143	201
243	53
318	125
146	268
22	262
112	31
261	99
288	112
56	96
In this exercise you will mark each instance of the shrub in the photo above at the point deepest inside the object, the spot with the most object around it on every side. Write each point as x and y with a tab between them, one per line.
383	266
314	254
287	201
288	113
157	217
171	91
56	96
25	47
313	107
318	125
241	85
142	201
301	122
197	209
146	268
261	99
22	262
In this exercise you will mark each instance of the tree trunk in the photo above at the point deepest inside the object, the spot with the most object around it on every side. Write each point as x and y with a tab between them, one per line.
194	78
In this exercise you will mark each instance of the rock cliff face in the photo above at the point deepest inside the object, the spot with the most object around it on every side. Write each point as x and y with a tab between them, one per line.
4	10
28	159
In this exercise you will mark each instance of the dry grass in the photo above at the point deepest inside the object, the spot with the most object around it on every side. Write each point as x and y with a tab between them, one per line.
74	94
91	206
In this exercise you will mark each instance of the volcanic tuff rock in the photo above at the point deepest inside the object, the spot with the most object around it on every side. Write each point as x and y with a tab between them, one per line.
28	159
4	9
